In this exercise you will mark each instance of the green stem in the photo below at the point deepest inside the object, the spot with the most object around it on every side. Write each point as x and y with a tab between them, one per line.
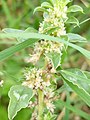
40	104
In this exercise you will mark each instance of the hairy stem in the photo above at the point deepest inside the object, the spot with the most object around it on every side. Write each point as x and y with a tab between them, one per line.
40	104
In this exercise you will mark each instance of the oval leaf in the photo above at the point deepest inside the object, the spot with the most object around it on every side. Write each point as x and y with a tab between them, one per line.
55	58
73	20
11	30
65	2
19	98
75	8
39	9
79	82
19	39
75	38
46	5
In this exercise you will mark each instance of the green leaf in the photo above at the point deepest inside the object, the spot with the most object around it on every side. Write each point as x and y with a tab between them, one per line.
19	98
10	51
73	20
20	39
75	8
29	29
11	30
46	5
79	77
55	58
79	82
50	29
52	2
65	2
73	109
39	9
75	38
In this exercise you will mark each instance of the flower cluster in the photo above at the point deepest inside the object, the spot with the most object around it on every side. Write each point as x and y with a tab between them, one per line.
54	19
49	94
48	46
32	104
41	78
53	24
37	78
48	99
44	47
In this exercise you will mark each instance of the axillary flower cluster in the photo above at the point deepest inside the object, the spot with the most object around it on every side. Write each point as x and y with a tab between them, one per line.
43	78
54	19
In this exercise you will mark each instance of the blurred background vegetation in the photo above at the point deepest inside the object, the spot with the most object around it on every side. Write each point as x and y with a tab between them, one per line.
19	14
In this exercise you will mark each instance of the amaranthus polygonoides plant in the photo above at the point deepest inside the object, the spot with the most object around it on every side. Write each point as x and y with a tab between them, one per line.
47	59
41	78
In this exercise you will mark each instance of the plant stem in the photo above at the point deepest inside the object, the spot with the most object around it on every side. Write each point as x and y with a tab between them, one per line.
40	104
